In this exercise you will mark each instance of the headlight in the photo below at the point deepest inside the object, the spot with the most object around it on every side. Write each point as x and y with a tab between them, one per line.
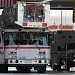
41	56
42	53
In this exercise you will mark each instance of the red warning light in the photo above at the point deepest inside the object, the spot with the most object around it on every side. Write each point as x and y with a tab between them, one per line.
24	24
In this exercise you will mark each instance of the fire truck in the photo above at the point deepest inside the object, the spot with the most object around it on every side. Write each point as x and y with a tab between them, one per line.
26	41
24	35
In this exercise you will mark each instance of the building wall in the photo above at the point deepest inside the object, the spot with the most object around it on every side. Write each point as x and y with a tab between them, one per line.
6	3
64	17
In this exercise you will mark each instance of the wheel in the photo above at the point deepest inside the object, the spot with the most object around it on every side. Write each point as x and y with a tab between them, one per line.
27	70
59	68
19	69
41	69
4	68
23	69
59	65
67	68
54	67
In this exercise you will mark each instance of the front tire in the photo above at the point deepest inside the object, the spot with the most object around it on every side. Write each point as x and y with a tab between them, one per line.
3	68
23	69
41	69
54	67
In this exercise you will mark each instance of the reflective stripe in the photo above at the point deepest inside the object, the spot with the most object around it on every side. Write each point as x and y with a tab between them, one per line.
26	47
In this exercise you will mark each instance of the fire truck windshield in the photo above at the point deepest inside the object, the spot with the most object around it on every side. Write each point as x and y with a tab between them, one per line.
24	38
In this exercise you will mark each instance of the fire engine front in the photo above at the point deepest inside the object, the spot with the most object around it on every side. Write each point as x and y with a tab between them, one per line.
26	48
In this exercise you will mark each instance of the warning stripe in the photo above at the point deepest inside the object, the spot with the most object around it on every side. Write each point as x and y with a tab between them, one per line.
60	27
26	47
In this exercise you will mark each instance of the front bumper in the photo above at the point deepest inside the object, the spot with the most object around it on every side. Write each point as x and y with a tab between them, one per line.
25	62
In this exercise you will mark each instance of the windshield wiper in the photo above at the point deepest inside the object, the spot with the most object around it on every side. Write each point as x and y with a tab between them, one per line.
17	46
37	46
